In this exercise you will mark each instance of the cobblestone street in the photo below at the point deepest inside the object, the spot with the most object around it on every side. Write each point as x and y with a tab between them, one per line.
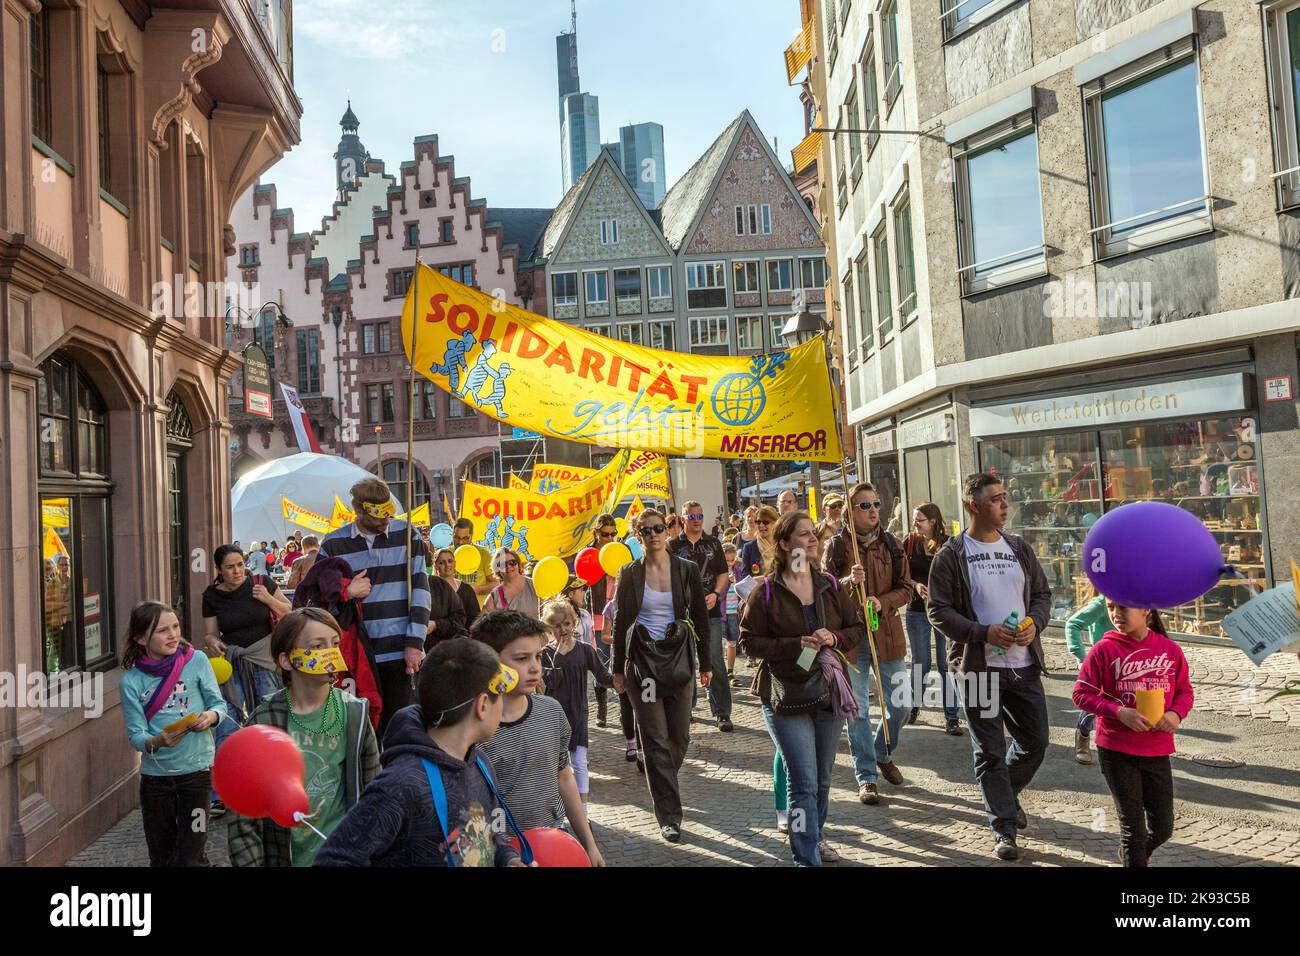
1236	786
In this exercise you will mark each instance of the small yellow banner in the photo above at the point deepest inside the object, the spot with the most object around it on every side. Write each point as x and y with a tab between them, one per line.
517	482
342	514
296	514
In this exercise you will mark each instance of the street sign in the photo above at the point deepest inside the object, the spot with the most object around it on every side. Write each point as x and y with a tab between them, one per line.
257	382
523	434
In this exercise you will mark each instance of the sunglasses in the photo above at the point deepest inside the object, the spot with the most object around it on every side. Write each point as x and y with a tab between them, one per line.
868	506
694	517
606	534
650	529
763	521
508	563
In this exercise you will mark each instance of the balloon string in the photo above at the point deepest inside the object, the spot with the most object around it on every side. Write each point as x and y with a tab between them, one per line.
300	817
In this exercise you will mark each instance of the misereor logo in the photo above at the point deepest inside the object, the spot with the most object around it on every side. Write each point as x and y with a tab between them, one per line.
77	909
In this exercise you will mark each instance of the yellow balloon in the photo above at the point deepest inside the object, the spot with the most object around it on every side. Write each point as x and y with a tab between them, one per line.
550	575
613	556
220	668
468	559
620	524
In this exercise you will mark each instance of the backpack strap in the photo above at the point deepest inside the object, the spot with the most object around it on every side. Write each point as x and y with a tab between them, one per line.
525	850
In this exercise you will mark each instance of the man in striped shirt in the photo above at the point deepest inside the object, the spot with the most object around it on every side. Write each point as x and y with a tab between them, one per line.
395	605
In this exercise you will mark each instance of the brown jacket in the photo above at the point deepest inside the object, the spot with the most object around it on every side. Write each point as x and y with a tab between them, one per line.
298	570
772	623
888	580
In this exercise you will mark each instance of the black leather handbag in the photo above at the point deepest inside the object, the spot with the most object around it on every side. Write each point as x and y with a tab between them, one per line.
668	662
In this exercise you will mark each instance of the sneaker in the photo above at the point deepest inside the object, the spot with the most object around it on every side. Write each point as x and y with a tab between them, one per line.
600	722
725	725
891	773
1006	848
868	794
640	763
217	809
783	821
915	712
1022	819
1082	748
735	681
953	728
827	853
671	834
631	752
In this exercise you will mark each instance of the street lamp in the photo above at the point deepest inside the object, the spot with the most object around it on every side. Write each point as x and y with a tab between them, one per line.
253	313
800	329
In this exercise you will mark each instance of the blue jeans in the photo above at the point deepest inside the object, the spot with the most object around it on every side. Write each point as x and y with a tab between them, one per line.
918	635
868	752
1086	723
1002	771
808	742
731	628
719	683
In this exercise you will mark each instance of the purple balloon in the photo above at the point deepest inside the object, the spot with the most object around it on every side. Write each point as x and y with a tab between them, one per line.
1151	554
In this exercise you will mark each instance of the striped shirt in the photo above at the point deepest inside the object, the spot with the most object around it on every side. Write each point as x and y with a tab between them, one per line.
394	619
527	757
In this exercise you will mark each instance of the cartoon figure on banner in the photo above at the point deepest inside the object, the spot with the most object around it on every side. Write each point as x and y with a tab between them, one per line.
546	485
498	390
453	360
491	539
516	539
738	399
480	373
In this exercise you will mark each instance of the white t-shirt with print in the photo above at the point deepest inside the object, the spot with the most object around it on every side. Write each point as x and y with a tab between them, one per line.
997	585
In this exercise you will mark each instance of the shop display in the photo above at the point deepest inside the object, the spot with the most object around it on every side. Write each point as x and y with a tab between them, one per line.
1209	468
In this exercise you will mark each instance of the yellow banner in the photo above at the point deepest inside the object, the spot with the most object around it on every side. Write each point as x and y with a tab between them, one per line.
650	473
549	476
635	508
54	513
555	379
296	514
419	517
342	514
517	482
536	525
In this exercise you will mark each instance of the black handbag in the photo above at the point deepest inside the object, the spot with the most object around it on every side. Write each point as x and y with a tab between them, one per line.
793	690
668	662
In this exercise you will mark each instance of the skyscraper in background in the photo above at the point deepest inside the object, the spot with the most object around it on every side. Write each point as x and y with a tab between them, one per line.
579	135
641	154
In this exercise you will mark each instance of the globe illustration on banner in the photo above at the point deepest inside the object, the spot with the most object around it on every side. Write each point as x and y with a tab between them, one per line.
738	399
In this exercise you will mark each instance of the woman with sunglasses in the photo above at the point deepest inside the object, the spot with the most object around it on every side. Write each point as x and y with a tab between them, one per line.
754	553
794	623
922	544
444	565
661	627
516	591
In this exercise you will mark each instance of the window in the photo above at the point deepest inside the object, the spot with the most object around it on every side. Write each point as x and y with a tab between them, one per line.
906	261
105	132
264	334
1282	28
850	323
629	332
999	206
889	46
457	409
484	471
42	110
76	530
775	324
446	232
308	341
855	139
780	275
597	287
744	276
884	302
375	338
627	287
765	211
753	219
866	327
832	35
564	288
412	234
960	15
749	333
659	280
400	280
812	273
709	330
609	232
706	285
426	397
600	328
1145	145
663	335
249	255
870	97
395	477
379	403
841	148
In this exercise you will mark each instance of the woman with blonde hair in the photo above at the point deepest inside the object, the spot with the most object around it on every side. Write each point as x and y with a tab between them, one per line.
755	554
515	592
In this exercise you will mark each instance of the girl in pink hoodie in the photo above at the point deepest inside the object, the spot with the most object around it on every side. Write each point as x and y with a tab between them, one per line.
1133	752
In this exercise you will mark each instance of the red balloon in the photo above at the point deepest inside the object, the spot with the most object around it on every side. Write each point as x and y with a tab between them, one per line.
587	566
552	847
258	772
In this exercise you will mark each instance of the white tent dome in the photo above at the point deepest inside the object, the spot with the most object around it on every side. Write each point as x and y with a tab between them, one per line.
306	479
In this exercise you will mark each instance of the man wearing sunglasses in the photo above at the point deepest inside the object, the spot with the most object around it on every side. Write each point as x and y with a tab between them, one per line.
693	544
884	579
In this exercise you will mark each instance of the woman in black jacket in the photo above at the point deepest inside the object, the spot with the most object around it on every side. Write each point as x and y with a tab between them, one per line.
927	537
794	623
444	566
661	624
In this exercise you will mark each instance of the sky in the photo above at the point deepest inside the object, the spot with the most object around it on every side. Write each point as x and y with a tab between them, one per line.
481	75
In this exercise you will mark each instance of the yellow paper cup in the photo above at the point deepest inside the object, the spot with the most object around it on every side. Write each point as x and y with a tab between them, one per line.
1150	704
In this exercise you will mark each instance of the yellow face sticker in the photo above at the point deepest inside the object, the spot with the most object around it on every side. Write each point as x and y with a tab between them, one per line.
503	681
319	661
386	510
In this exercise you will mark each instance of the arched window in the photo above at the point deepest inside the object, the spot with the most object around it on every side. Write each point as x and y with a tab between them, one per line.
484	470
395	476
76	531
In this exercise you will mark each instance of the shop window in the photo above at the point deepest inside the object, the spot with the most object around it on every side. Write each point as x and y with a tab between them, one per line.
930	475
74	491
1147	154
999	206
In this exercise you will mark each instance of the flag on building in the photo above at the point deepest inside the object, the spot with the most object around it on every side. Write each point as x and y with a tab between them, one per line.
298	416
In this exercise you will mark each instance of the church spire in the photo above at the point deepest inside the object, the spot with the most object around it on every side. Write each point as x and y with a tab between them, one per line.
351	156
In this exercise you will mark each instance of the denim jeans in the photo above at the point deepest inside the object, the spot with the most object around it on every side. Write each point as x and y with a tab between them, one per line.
1086	723
731	628
807	742
868	751
780	779
1004	771
719	683
918	635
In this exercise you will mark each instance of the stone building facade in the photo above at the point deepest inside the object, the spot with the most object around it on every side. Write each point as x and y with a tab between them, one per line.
131	128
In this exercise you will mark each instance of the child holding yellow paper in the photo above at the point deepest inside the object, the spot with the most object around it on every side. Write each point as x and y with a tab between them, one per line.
1136	681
